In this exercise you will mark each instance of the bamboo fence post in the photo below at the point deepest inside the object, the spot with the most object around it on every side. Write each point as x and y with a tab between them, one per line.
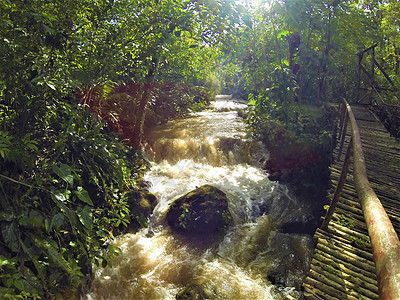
338	190
360	57
342	110
343	130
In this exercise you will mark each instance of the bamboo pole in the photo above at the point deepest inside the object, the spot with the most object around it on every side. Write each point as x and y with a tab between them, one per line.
313	290
335	276
343	111
343	131
384	240
346	256
338	189
345	245
333	288
340	261
339	266
373	84
360	57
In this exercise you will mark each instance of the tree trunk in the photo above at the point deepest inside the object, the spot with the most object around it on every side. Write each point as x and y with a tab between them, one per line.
294	43
324	71
137	136
397	60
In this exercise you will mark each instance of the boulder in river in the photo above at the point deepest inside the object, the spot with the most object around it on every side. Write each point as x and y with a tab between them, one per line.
203	210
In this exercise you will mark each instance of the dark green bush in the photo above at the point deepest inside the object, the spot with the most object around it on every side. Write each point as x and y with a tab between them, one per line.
63	194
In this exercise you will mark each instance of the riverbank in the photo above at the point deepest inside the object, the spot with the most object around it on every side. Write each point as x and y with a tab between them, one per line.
299	157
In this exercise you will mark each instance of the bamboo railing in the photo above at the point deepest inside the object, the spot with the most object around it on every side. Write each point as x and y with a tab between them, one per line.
384	240
371	74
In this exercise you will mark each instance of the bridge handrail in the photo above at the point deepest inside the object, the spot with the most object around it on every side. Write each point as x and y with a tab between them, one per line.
384	240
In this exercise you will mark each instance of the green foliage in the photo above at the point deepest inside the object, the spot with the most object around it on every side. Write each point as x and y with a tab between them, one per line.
58	213
346	222
13	280
363	242
277	123
316	41
66	180
120	105
291	54
185	217
389	117
226	216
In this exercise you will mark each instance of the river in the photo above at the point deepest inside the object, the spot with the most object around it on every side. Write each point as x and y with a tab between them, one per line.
254	259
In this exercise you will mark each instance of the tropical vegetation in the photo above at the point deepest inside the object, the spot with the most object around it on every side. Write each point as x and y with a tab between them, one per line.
68	172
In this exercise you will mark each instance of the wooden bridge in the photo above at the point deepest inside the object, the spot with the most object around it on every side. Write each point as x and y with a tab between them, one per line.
357	254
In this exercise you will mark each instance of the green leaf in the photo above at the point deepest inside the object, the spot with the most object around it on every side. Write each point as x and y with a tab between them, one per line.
85	216
9	282
283	33
104	263
83	195
50	84
5	144
64	172
30	282
59	195
31	144
19	284
56	222
71	215
6	216
3	152
31	221
47	225
9	234
142	220
252	100
53	253
35	261
3	261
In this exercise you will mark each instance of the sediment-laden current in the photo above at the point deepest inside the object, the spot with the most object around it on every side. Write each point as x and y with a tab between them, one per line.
254	259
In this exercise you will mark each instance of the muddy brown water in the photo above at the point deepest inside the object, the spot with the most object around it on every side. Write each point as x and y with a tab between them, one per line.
252	260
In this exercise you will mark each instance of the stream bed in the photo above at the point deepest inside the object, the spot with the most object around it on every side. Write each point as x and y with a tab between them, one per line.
253	259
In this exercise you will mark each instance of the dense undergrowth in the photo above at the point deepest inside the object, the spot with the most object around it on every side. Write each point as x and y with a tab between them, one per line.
69	183
119	105
300	142
64	190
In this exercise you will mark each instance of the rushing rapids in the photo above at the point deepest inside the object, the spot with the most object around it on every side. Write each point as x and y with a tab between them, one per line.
254	259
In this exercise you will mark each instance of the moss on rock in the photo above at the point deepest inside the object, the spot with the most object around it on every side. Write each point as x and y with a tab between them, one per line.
203	210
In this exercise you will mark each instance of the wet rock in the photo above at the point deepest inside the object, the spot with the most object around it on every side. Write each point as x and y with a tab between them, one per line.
195	292
141	205
291	260
204	210
150	233
304	226
279	277
276	176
